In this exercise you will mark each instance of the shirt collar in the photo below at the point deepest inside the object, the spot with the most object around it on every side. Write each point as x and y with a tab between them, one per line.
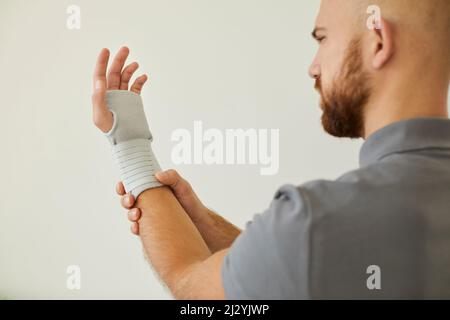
405	135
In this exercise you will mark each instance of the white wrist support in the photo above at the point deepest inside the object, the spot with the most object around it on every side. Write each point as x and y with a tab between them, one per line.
130	138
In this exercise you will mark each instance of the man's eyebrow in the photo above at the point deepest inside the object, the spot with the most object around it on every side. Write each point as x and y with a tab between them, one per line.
317	29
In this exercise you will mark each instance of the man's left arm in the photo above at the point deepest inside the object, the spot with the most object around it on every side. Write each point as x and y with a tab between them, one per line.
176	249
172	242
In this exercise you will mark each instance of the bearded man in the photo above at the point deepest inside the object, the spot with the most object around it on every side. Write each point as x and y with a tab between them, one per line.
379	231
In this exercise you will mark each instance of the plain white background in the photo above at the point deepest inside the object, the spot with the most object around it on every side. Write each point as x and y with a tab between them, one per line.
230	64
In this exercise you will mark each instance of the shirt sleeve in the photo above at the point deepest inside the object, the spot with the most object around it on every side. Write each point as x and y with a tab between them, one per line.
270	258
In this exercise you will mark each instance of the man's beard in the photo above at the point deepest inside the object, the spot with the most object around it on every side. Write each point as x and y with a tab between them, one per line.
343	106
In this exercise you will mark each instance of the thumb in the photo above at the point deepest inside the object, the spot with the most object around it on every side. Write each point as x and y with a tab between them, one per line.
182	190
173	179
98	98
165	177
103	118
100	85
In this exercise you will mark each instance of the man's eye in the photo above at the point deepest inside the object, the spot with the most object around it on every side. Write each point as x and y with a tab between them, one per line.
320	39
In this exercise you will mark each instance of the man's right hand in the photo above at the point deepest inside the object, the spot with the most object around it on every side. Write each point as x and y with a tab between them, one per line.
182	191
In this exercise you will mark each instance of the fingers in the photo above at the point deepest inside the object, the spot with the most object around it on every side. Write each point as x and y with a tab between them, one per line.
135	228
116	78
115	70
102	117
127	74
120	189
138	84
127	201
134	215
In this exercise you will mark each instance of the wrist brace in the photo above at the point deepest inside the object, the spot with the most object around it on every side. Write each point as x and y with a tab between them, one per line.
130	138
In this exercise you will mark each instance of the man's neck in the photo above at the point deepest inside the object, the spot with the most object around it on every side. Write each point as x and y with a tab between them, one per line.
390	108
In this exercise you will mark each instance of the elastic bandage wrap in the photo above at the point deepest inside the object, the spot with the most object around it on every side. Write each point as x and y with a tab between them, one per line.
131	139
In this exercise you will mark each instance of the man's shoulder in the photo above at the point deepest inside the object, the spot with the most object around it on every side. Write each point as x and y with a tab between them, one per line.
379	187
351	191
298	196
372	176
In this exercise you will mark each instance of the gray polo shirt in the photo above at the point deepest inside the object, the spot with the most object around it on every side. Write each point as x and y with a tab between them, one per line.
381	231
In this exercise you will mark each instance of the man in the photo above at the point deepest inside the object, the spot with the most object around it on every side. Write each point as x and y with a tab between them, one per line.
381	231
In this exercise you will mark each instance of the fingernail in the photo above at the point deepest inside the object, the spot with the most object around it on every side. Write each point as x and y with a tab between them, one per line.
161	174
98	85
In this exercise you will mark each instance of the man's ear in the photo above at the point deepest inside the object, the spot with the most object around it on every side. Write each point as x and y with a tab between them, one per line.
382	44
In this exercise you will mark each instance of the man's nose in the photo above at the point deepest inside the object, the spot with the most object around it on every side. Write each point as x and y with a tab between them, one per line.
314	71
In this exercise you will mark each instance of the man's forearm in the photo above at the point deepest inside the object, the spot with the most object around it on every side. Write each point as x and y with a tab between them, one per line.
170	239
217	232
